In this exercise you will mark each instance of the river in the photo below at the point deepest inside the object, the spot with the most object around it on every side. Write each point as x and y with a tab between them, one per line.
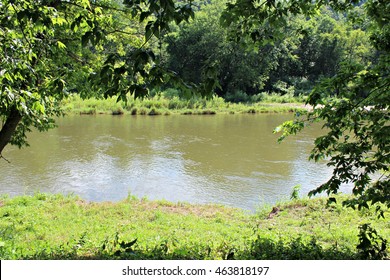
233	160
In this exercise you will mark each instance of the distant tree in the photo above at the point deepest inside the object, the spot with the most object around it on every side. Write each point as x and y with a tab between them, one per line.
310	49
204	45
318	46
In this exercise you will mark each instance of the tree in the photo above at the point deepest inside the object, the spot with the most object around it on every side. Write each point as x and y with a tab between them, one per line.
203	44
353	105
316	47
35	37
308	50
41	55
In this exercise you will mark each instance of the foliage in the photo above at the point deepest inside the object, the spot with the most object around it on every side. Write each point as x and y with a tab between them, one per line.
295	192
137	70
316	48
38	56
310	49
296	249
371	245
201	50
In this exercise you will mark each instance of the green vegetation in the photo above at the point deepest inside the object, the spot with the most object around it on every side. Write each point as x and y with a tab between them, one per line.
64	227
162	105
307	50
336	52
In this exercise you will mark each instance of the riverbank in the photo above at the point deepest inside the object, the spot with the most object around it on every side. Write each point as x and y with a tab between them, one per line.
64	227
160	105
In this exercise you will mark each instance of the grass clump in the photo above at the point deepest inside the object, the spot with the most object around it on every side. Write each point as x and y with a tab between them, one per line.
47	226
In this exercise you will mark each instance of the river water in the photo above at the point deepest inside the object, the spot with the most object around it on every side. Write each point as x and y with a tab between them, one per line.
233	160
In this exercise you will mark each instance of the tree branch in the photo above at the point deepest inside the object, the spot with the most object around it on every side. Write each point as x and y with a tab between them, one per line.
1	157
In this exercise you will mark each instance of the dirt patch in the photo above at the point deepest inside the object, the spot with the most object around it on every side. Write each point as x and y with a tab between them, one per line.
204	211
275	211
81	202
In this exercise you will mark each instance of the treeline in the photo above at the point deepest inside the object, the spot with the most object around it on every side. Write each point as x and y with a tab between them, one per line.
311	49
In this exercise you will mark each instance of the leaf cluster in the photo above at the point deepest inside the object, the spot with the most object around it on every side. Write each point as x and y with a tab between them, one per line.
39	46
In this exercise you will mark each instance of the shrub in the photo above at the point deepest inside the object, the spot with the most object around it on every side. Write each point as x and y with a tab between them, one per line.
296	249
237	97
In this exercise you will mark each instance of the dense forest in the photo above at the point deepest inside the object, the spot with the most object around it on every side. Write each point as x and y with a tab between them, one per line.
311	49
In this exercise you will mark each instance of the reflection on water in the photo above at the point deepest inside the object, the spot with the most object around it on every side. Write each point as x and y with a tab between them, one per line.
228	159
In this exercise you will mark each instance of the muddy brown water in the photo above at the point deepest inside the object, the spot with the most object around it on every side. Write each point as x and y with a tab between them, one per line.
233	160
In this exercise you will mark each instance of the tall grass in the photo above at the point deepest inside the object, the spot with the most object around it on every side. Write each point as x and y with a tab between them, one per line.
169	102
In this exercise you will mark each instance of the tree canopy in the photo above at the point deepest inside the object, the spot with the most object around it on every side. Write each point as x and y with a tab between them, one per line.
49	46
311	48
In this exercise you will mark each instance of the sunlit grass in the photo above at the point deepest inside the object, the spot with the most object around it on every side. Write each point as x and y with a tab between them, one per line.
162	105
65	227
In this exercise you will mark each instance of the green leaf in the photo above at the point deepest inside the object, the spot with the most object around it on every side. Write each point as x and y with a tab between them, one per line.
86	38
148	30
144	15
61	45
37	106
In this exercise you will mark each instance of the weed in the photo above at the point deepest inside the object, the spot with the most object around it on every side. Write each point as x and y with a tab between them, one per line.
296	249
295	192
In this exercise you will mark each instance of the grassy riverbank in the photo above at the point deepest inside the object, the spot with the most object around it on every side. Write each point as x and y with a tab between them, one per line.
64	227
161	105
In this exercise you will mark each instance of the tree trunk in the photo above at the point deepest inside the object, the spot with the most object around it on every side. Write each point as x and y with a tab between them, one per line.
9	128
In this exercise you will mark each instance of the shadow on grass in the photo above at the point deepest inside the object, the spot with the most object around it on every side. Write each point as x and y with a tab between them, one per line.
259	249
296	249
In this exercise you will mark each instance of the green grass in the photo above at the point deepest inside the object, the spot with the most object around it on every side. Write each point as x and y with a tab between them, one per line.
161	105
47	226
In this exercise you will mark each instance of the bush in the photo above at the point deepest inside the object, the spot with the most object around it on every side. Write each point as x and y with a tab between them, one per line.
296	249
371	244
283	88
237	97
170	93
258	97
